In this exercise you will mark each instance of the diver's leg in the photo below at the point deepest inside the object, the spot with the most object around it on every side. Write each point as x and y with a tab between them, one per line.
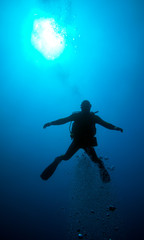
48	172
73	148
93	156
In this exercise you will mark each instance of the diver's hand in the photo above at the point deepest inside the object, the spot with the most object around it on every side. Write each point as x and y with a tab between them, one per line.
46	125
118	129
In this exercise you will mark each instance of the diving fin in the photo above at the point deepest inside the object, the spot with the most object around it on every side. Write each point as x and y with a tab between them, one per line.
48	172
105	177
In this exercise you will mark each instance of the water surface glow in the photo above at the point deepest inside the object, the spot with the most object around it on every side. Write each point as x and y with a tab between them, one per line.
48	38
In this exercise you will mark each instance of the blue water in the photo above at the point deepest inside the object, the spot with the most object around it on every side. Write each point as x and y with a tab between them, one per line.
103	65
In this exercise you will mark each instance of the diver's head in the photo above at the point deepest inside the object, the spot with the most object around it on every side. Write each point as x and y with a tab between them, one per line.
85	106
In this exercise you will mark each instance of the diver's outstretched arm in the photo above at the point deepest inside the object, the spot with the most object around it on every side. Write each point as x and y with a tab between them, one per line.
106	124
59	121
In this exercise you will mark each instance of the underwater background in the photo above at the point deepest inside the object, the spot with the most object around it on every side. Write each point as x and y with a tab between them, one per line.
102	61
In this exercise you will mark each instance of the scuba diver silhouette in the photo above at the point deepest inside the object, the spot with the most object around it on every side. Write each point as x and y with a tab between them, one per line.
83	135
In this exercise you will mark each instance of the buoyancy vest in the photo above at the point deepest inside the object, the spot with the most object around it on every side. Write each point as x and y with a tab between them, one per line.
84	126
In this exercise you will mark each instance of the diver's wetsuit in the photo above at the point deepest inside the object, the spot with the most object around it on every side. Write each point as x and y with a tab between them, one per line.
83	138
